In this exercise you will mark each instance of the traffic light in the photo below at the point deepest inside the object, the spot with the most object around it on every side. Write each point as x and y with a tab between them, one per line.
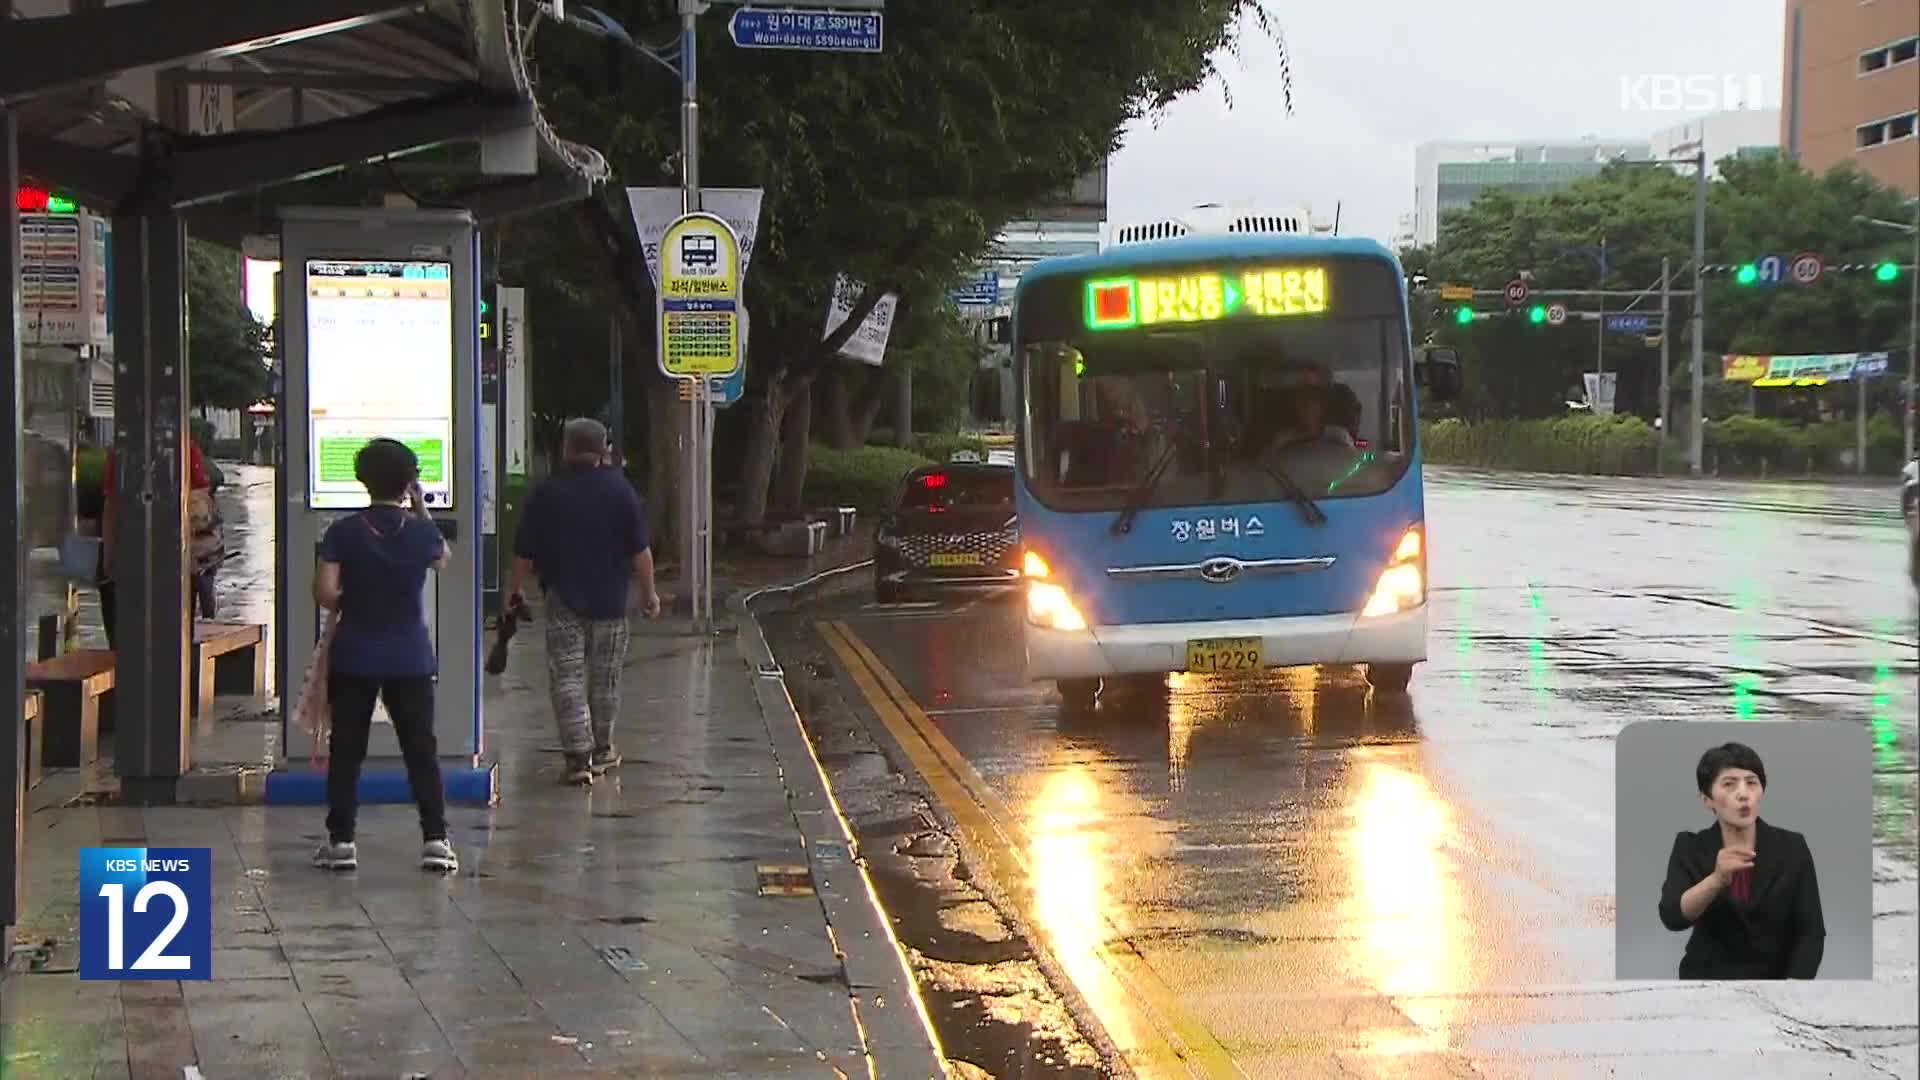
1747	275
1463	316
1885	272
1537	314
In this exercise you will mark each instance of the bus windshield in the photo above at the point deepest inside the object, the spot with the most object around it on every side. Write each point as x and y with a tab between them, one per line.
1184	413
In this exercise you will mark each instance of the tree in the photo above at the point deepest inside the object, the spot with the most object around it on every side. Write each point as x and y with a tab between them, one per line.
896	169
226	345
1755	207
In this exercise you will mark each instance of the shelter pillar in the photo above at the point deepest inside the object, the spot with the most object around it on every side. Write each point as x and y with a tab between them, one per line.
13	619
152	731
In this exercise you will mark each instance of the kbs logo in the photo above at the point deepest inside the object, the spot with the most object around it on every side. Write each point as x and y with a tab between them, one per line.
144	913
1673	92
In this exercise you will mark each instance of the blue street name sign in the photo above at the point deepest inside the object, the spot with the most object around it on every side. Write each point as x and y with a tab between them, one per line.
1630	323
816	30
985	290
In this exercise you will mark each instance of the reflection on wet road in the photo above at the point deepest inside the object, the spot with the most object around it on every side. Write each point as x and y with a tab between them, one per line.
1292	877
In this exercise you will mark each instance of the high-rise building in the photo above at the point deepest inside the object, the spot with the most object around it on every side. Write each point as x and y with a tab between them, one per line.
1735	133
1851	87
1449	175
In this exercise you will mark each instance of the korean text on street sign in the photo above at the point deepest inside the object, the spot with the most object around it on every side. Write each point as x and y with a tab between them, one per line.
982	291
1629	323
1456	292
727	390
820	31
699	298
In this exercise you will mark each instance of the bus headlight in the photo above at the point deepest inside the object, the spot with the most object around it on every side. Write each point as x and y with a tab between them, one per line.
1403	584
1049	606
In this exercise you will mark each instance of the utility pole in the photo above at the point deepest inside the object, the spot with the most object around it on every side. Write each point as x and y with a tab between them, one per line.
1907	400
1600	335
1697	317
1908	397
1666	380
696	540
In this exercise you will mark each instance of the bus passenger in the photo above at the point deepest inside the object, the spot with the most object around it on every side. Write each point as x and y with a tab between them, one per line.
373	568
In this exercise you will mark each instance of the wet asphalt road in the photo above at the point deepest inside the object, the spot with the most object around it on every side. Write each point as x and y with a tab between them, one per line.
1288	877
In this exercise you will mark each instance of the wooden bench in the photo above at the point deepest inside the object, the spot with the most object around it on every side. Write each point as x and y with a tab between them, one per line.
30	713
76	693
228	658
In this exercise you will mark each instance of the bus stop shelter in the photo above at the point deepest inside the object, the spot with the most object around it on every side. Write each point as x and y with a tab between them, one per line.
178	116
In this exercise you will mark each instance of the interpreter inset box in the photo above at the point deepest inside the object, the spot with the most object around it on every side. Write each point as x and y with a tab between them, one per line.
1743	850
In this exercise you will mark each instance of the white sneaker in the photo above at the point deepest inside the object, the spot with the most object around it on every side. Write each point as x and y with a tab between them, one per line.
438	855
331	856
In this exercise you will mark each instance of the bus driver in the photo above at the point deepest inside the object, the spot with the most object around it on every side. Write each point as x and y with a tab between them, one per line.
1309	420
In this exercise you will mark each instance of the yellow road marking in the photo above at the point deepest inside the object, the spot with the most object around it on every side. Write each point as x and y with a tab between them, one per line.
1170	1041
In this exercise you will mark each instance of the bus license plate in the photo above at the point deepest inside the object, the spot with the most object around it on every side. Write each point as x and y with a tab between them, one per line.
953	558
1224	654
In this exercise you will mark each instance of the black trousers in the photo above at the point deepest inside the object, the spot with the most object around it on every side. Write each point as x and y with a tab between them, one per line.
410	703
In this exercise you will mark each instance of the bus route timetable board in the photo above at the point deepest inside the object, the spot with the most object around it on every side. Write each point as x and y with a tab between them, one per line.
379	363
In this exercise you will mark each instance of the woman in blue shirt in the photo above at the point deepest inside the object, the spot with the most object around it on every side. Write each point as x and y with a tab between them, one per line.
373	566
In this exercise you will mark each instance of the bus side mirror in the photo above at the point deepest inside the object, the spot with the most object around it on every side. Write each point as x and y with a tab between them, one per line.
984	396
1439	374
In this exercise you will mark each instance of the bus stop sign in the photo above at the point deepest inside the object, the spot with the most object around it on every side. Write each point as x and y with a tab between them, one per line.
699	298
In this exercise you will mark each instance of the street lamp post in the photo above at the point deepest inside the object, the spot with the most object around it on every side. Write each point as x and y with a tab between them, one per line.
1697	317
1913	321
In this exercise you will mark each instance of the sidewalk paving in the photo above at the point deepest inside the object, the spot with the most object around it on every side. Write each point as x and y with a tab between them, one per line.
625	930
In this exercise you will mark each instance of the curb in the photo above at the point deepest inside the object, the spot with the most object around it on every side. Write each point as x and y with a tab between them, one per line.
898	1033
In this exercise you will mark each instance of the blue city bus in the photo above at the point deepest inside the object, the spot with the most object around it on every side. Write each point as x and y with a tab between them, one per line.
1218	457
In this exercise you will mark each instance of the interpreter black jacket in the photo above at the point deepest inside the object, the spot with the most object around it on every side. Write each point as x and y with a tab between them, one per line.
1779	933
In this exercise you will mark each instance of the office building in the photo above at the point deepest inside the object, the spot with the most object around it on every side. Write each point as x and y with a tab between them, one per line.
1736	133
1448	176
1851	87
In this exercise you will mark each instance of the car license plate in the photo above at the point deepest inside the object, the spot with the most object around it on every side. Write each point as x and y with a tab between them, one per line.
953	558
1225	654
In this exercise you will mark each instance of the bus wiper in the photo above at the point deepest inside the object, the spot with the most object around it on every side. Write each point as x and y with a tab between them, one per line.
1137	502
1308	508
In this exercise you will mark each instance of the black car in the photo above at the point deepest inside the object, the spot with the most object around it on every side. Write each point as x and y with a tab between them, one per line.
950	527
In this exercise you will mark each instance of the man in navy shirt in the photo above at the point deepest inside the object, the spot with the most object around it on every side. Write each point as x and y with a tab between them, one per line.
583	533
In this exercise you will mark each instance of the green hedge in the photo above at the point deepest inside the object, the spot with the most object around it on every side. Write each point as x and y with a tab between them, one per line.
865	477
1609	445
1626	445
1746	445
937	447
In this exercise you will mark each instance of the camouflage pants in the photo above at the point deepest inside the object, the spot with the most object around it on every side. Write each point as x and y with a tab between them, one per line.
584	660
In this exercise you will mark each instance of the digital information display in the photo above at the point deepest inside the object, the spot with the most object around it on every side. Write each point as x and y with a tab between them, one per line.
379	363
1126	302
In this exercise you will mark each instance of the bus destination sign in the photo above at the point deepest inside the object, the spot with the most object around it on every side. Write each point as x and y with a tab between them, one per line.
1120	303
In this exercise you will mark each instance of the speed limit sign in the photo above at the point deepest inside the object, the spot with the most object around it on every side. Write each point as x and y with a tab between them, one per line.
1556	314
1806	268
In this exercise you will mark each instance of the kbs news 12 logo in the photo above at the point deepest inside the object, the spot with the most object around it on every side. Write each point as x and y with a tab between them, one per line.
145	913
